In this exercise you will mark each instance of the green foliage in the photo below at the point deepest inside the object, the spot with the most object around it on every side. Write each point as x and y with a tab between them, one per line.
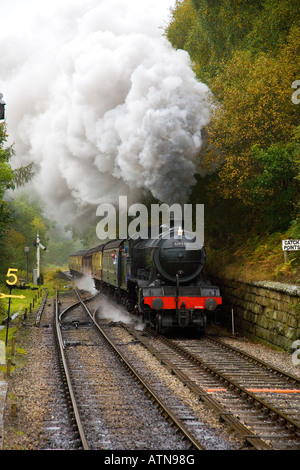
23	174
218	28
251	88
227	26
248	54
29	217
59	246
253	107
6	178
26	219
272	26
275	187
178	30
10	238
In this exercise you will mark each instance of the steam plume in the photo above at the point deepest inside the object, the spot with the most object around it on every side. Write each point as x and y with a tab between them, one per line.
104	106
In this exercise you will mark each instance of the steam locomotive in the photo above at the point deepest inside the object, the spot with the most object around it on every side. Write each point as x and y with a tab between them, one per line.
159	279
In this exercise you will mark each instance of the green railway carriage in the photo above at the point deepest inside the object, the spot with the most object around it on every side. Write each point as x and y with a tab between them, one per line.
116	263
160	279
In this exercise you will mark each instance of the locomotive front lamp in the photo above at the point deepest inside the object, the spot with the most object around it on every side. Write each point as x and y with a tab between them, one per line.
157	303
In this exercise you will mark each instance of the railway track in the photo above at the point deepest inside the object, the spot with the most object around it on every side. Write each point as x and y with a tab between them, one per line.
67	379
260	402
118	399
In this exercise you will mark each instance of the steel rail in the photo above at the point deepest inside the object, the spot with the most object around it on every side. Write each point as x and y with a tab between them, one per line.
75	304
247	434
66	372
228	417
235	387
285	375
41	309
145	386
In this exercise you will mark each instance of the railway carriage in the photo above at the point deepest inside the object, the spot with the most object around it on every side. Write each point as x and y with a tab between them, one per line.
96	262
162	279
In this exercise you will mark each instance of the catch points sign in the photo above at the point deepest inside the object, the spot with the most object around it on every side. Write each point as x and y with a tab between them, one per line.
291	245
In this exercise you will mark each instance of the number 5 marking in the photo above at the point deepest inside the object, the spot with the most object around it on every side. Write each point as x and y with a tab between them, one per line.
11	273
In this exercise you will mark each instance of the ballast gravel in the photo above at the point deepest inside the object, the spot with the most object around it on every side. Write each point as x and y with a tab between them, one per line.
35	416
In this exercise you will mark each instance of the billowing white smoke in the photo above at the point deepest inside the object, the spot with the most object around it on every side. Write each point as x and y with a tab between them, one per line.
106	308
104	106
86	283
116	313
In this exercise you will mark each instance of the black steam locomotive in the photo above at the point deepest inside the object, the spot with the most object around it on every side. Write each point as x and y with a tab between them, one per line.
160	279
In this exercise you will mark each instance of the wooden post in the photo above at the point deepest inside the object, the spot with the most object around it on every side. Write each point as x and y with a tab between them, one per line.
13	345
8	317
13	410
8	367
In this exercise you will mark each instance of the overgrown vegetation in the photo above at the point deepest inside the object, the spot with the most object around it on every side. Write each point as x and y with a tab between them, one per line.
21	218
248	55
53	280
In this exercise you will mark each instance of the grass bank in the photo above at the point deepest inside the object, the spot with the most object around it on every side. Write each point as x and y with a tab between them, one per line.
28	298
259	258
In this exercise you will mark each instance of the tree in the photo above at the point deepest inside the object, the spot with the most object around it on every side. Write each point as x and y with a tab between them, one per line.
272	27
23	174
28	219
182	22
275	188
247	53
253	107
6	179
9	179
213	30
